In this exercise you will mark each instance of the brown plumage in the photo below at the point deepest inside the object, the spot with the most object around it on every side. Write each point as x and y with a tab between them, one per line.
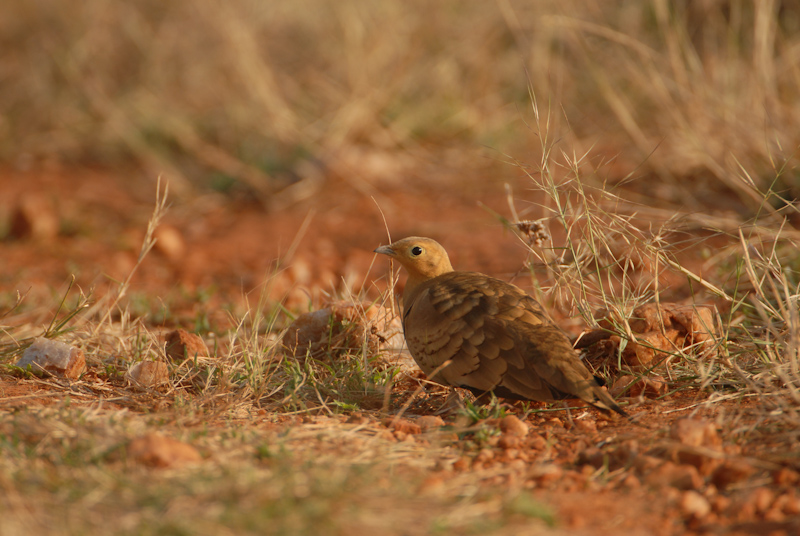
498	338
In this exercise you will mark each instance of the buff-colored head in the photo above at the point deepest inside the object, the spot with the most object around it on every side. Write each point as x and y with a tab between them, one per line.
423	259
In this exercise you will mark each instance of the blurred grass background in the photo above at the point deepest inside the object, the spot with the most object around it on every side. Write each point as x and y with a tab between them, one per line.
699	93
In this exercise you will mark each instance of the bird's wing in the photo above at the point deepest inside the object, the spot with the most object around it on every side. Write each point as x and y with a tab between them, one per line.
473	320
498	339
551	367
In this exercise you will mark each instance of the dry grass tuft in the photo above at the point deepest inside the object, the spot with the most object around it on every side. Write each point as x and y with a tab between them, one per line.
247	92
606	256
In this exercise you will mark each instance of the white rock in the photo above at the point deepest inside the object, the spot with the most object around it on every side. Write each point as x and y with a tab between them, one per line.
55	357
148	374
695	505
344	326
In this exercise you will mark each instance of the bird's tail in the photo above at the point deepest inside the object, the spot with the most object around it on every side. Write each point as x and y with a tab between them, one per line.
604	401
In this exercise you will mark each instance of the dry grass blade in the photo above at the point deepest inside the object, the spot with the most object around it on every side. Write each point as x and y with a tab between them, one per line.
147	244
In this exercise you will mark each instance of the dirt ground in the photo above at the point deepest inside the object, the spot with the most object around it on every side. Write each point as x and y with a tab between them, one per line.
207	241
733	472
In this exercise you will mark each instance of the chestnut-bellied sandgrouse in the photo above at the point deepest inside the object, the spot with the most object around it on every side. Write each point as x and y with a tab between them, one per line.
497	338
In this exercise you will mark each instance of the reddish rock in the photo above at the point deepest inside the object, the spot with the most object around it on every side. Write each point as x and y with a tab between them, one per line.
697	435
184	345
785	477
649	348
645	463
121	264
484	455
34	217
653	386
300	271
631	482
148	374
548	474
623	455
536	442
720	503
593	457
169	242
586	426
400	435
659	330
730	472
762	499
402	425
346	326
682	477
692	504
554	422
356	418
432	485
509	441
461	464
158	451
511	425
774	515
789	503
429	422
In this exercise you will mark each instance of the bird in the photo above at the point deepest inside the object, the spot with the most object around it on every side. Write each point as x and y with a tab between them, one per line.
474	331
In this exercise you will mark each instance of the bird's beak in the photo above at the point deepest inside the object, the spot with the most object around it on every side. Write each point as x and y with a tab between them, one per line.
385	250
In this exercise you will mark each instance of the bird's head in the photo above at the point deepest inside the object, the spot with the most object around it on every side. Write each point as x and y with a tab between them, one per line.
423	258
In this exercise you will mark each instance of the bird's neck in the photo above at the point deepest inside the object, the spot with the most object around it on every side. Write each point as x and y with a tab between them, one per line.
415	284
422	274
411	289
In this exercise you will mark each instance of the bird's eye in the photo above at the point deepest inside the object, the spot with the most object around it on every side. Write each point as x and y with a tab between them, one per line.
416	251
